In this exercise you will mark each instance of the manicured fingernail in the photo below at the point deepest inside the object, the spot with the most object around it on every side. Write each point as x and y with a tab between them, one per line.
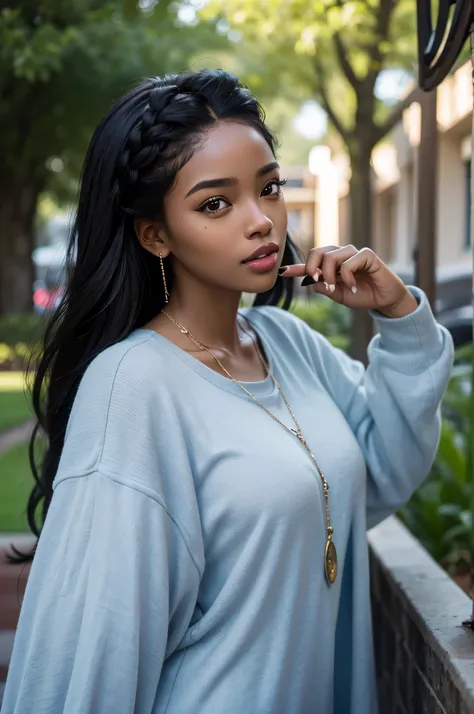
308	280
327	287
354	289
317	275
331	288
282	271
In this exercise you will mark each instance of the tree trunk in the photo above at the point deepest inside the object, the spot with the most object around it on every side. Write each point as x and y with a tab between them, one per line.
18	200
360	196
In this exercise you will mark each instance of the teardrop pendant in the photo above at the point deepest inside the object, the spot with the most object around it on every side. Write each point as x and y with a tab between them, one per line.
330	561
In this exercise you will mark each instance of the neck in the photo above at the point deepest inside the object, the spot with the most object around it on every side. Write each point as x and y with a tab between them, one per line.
209	314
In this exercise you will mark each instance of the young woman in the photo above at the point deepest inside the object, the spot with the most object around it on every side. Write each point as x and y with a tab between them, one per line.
212	470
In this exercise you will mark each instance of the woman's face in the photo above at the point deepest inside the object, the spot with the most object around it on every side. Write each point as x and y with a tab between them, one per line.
227	203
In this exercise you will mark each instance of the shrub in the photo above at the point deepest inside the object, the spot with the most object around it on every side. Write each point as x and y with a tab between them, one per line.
326	317
440	512
19	335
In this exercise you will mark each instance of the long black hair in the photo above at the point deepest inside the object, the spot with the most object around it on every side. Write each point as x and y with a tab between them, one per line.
115	285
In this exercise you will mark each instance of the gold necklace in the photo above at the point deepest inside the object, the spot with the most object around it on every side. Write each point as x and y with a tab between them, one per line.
330	553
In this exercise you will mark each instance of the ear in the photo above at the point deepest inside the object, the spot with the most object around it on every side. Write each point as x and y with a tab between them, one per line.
152	236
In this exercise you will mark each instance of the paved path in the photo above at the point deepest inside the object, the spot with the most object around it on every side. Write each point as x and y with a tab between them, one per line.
16	435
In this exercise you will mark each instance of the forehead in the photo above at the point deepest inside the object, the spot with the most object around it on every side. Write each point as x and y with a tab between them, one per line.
229	149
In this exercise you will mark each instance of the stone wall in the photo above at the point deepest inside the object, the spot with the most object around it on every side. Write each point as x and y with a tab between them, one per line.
424	656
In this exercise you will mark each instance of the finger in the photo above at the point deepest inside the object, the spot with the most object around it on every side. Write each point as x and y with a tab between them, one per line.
292	271
360	262
332	261
315	260
323	288
310	268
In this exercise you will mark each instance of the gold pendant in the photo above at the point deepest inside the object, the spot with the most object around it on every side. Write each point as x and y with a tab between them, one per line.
330	561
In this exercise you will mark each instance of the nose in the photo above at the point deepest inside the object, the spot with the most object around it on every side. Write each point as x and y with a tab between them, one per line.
257	223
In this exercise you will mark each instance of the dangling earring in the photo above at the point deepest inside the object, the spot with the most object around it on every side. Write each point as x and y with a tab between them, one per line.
164	279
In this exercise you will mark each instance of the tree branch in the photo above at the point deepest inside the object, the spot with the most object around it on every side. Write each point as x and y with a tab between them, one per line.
384	17
396	114
346	67
321	88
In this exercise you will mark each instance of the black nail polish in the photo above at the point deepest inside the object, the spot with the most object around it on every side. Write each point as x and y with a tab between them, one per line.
308	280
282	271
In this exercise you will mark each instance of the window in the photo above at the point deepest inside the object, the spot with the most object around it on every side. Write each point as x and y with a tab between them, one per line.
294	183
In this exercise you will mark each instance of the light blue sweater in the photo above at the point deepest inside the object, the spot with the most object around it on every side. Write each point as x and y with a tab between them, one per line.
181	565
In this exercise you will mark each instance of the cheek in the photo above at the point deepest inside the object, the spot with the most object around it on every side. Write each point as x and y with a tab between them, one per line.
281	218
194	236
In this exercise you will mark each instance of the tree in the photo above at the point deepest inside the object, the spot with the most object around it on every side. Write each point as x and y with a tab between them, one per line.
62	62
334	52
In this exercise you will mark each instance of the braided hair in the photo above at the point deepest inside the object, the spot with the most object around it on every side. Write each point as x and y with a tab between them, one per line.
114	283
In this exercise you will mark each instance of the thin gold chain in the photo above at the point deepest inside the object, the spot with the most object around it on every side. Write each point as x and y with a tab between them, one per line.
296	432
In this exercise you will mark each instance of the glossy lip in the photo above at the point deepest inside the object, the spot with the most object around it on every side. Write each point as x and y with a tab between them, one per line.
262	250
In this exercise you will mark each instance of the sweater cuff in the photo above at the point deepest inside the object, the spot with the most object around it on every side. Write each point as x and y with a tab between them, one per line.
418	329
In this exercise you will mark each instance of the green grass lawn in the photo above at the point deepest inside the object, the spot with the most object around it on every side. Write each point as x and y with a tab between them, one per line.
16	482
14	407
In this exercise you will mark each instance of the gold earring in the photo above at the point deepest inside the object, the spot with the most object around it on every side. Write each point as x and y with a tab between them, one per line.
164	279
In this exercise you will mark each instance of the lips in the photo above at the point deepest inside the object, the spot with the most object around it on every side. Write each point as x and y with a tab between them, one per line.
262	251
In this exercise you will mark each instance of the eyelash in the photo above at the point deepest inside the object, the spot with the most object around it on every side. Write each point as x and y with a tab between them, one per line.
274	182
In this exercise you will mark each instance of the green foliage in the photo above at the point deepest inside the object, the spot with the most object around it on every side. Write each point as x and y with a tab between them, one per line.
62	62
21	328
14	409
439	514
332	52
16	482
19	337
326	317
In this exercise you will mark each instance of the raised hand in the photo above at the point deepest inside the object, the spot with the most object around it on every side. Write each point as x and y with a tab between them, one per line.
355	278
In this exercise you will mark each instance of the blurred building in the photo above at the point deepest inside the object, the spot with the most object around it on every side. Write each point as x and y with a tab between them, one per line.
317	198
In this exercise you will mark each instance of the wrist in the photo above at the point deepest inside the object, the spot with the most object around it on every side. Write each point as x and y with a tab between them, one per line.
405	306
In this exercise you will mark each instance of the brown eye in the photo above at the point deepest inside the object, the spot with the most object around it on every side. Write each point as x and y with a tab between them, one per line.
273	188
214	205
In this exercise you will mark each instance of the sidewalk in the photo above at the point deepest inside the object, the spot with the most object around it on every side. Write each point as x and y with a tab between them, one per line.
16	435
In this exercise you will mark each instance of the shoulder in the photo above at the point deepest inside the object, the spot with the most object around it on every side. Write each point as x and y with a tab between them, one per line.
134	368
120	409
121	387
127	357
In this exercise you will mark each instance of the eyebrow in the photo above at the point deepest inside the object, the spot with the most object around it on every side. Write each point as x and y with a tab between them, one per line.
220	182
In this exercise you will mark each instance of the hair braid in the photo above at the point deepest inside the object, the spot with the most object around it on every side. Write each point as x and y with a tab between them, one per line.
114	285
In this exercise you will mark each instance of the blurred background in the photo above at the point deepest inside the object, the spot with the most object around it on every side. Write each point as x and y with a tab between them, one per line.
338	82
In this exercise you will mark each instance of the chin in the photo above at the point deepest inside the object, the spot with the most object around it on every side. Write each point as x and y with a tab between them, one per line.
260	283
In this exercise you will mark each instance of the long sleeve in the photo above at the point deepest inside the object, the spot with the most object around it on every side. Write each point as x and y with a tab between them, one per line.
114	582
110	595
392	406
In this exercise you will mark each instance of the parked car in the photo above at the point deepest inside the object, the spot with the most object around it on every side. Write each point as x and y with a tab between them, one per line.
50	277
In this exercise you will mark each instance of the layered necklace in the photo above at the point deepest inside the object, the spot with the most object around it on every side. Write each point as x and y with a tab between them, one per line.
330	554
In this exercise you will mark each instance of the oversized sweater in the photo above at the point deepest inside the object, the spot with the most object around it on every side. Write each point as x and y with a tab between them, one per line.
181	566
